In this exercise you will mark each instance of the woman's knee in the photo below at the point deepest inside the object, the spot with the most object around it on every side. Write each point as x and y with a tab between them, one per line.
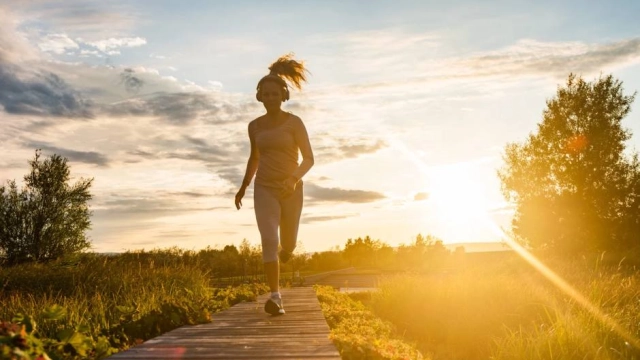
269	250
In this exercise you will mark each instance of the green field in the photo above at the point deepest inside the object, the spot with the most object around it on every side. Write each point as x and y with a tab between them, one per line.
499	307
89	306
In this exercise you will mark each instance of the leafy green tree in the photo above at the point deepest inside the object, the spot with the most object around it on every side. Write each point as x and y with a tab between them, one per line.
300	258
361	252
47	218
245	257
327	260
573	185
426	252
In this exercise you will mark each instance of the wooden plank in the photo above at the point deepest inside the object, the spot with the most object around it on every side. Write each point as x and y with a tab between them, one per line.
245	331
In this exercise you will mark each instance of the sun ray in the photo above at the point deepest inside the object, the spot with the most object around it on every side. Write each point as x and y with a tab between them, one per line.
479	212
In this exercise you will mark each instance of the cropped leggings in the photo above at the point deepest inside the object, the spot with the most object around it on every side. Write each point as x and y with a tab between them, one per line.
273	212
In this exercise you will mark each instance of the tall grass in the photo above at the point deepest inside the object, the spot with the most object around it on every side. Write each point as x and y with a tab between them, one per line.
126	298
509	311
358	333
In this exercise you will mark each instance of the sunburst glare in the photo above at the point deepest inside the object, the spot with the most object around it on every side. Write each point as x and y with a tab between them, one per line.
460	203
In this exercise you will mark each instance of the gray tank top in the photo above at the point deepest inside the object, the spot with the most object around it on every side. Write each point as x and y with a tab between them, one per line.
278	148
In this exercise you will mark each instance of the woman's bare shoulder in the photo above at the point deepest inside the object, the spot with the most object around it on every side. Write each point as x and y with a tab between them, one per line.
295	117
253	123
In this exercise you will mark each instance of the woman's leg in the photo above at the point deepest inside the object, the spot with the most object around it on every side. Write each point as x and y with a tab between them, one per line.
290	219
272	271
267	209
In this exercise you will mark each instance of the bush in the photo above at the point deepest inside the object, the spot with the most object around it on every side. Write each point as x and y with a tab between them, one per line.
47	218
357	333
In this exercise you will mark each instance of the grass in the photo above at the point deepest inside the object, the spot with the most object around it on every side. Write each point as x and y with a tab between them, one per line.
89	306
509	311
110	302
358	333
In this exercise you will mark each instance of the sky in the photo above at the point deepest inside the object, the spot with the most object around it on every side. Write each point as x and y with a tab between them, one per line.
408	105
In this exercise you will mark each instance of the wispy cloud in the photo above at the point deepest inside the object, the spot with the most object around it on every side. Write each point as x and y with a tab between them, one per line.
92	20
87	157
422	74
57	43
557	59
310	219
182	108
43	94
331	148
322	194
185	148
146	206
379	53
111	45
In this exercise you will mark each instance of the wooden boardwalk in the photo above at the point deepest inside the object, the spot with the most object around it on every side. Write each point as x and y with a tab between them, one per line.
245	331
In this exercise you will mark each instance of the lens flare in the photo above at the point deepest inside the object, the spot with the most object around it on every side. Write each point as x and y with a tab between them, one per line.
560	283
554	278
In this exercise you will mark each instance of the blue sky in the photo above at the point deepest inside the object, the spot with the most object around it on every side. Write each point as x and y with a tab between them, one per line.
409	105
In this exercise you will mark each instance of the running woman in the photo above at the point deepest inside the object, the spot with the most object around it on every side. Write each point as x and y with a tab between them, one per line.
275	138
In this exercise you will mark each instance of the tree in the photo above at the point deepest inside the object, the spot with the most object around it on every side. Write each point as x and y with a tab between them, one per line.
327	260
299	258
572	183
47	218
426	252
361	252
245	256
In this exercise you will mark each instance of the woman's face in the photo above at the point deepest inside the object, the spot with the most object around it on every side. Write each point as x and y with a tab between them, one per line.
271	94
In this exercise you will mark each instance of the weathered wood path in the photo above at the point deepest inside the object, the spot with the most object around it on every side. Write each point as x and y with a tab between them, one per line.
245	331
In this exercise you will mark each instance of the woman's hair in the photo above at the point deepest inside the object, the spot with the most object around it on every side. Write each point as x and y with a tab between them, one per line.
285	68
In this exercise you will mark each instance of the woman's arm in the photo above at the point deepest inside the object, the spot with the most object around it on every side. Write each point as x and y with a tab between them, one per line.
302	140
254	157
252	167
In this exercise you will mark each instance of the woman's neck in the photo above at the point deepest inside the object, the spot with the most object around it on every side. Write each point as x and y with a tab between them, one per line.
274	115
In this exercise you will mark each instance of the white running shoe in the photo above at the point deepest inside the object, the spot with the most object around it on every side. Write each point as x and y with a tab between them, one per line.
273	306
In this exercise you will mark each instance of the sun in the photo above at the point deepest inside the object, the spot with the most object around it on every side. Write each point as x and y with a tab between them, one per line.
458	200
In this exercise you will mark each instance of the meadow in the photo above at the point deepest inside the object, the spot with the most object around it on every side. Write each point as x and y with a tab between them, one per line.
459	306
90	306
500	307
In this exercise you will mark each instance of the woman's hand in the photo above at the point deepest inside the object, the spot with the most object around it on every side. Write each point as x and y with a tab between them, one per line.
239	197
289	186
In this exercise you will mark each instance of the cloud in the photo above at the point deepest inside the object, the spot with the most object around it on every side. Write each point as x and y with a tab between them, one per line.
14	45
85	53
185	147
215	85
87	157
131	82
233	175
350	150
331	148
32	89
392	51
113	44
57	43
172	234
92	20
143	206
182	108
524	59
531	57
42	94
321	194
314	219
191	194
